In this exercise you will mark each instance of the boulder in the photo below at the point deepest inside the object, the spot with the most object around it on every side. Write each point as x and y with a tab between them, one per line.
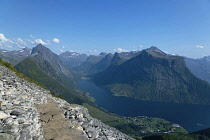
3	115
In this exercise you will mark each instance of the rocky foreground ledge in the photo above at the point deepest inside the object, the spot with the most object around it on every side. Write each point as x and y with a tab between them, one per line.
29	112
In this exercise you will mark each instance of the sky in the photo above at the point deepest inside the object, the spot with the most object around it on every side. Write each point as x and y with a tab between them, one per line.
92	26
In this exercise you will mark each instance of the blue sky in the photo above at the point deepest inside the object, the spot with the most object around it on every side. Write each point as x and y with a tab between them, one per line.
91	26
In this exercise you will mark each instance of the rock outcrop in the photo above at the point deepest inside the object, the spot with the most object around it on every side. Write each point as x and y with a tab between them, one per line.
29	112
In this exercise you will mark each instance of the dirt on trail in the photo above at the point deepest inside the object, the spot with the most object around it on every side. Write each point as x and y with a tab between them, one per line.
55	125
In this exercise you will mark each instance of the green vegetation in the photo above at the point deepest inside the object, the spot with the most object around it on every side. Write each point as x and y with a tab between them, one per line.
9	66
100	114
198	135
120	89
30	68
134	126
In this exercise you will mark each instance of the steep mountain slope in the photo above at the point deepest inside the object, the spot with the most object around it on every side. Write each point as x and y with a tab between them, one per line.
72	59
101	65
43	55
30	68
96	64
200	67
152	75
15	56
46	68
120	58
85	67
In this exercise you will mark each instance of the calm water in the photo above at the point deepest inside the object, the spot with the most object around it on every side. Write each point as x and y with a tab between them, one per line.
191	117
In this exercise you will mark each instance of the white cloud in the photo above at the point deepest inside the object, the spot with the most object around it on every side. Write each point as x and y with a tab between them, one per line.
135	48
92	51
199	47
41	41
20	41
32	42
56	40
62	47
120	50
3	39
32	36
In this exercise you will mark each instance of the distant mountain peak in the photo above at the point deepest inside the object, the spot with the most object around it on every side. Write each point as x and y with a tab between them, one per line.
155	51
72	59
153	48
206	58
43	54
103	53
40	46
41	50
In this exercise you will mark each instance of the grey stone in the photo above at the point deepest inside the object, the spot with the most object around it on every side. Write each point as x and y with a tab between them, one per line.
3	115
93	134
90	134
25	135
20	120
4	136
8	121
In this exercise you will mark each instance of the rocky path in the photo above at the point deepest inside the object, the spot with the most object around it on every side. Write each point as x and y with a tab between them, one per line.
29	112
55	125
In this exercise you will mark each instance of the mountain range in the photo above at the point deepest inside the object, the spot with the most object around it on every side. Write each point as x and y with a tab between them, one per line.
15	56
87	67
72	59
98	63
149	74
46	68
199	67
153	75
39	95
